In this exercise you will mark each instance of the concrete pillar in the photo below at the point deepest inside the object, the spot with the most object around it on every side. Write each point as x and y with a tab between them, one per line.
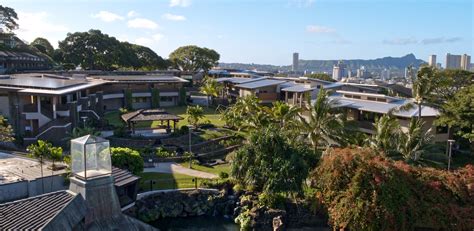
55	99
38	104
73	115
100	103
301	99
286	97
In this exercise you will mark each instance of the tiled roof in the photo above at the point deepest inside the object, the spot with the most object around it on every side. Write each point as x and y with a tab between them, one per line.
123	177
35	212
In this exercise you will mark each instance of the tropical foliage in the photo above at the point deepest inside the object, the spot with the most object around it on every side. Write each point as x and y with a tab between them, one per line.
210	88
6	131
365	191
43	150
269	163
195	113
127	158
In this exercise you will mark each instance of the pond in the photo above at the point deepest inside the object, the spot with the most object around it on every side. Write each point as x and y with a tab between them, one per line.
202	223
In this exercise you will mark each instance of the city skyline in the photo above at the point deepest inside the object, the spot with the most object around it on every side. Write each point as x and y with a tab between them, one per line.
312	28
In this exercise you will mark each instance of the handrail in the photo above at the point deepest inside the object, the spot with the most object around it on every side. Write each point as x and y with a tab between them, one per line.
55	126
93	112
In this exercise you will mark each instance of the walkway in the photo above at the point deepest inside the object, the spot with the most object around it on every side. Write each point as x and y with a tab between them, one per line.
172	167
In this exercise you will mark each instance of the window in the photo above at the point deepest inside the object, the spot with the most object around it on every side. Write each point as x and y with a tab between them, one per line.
139	99
356	96
372	98
381	100
166	99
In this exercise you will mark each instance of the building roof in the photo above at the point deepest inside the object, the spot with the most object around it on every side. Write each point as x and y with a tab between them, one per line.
141	78
45	84
383	107
149	115
35	213
260	83
14	168
237	80
298	88
123	177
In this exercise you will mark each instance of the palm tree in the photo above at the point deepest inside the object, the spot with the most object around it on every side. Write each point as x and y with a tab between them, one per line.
322	126
246	113
414	142
195	113
210	88
284	114
387	130
422	86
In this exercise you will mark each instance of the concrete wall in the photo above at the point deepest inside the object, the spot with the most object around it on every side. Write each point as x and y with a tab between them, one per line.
24	189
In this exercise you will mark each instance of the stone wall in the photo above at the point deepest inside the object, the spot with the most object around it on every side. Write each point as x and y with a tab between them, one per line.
182	203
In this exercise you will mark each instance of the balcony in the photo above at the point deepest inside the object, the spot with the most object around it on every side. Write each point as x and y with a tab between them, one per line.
30	108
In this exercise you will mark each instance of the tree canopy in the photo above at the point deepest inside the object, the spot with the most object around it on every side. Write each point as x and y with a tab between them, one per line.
193	58
43	46
8	18
321	76
95	50
6	131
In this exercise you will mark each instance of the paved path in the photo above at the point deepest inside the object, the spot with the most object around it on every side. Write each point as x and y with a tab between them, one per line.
172	167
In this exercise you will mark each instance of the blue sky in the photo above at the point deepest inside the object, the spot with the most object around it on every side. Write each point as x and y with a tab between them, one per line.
265	31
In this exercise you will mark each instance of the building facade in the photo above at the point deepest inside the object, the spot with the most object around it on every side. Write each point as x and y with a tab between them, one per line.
465	62
432	60
453	61
295	65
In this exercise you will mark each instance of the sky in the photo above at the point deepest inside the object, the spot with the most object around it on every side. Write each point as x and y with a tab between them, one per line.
264	31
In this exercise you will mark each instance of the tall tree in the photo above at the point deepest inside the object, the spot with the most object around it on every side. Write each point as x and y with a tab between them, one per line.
193	58
8	18
6	131
43	45
422	86
246	114
322	126
459	112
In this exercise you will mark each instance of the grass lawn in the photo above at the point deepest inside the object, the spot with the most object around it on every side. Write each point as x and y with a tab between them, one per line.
214	169
165	181
210	114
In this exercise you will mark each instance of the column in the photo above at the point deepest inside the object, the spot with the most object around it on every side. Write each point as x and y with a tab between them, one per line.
55	99
301	99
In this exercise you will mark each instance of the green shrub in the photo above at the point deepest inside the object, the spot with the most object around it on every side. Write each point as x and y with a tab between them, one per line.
223	175
121	131
272	200
364	191
127	158
160	152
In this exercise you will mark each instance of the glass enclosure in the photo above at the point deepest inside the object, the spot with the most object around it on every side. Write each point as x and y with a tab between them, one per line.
90	157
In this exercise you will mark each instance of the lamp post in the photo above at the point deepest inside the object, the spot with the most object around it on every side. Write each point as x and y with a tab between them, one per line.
450	142
190	128
84	120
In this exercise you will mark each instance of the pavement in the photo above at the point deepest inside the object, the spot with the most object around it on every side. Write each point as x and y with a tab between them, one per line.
172	167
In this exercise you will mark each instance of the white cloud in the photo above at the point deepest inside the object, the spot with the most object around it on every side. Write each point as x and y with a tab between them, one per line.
37	24
180	3
142	23
319	29
132	14
174	17
107	16
146	41
400	41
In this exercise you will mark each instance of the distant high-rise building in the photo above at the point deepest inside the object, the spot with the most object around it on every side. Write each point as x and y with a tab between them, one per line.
295	62
432	60
465	62
453	61
339	71
438	65
406	72
362	73
385	74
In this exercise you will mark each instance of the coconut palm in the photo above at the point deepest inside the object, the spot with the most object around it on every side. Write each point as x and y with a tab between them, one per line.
210	88
414	142
246	113
422	86
195	113
284	114
322	125
387	130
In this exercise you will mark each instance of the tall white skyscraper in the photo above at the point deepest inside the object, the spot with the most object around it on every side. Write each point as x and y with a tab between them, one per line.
465	62
294	67
385	74
339	71
432	60
453	61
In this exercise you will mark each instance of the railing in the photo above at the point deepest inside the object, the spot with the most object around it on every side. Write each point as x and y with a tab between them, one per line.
58	123
46	111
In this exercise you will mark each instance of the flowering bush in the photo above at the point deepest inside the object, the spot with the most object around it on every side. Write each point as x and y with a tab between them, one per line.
364	191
